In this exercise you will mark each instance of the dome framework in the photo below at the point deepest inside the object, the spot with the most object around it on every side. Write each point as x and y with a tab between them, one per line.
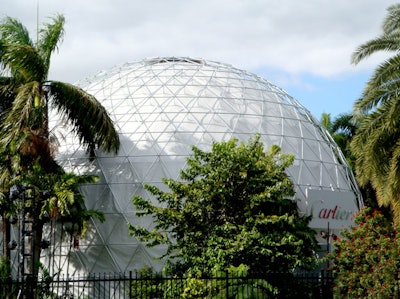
163	106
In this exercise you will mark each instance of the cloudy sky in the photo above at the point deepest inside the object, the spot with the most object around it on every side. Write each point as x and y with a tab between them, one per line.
302	46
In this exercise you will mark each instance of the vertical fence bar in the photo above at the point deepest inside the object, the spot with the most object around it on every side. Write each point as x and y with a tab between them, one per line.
227	286
130	284
310	285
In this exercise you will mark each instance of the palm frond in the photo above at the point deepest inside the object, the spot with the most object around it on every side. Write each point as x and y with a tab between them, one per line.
13	32
383	86
394	172
366	147
50	36
17	117
24	61
64	198
7	93
326	121
345	124
5	172
89	119
391	113
368	124
387	42
386	73
375	147
391	22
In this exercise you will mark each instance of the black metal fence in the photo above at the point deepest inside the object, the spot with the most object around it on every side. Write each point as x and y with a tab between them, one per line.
133	285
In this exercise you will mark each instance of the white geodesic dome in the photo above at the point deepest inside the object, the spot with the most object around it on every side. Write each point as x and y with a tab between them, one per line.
161	107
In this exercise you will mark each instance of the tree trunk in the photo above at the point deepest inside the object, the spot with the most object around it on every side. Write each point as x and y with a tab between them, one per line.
5	229
37	249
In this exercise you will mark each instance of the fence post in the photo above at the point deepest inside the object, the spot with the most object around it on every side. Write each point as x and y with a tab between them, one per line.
227	285
130	284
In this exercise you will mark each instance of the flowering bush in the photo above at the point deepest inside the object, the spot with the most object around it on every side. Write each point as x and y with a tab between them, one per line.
366	259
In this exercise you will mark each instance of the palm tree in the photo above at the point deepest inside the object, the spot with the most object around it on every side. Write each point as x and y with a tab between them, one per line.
326	121
25	123
55	197
26	97
376	144
342	129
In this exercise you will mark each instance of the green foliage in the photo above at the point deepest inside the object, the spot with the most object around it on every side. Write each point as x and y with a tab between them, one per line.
235	282
10	289
26	144
43	289
147	285
387	41
63	200
376	145
7	289
342	129
27	95
232	206
366	260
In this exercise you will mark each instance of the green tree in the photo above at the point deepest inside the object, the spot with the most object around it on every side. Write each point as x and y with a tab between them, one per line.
376	145
7	287
342	129
232	206
326	121
366	259
57	195
47	194
27	96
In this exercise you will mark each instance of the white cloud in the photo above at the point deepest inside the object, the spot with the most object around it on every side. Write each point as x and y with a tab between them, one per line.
310	36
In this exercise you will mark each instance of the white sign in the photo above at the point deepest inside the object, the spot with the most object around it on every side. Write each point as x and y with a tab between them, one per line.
333	207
